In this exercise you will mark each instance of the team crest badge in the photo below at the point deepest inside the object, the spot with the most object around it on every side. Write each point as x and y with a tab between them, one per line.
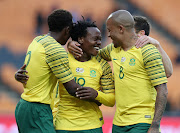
92	73
132	62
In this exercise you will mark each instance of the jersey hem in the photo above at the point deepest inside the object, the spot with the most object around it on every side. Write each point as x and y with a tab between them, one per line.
77	129
131	123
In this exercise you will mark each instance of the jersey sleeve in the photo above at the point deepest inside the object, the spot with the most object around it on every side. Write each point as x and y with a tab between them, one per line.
154	65
57	59
105	52
107	95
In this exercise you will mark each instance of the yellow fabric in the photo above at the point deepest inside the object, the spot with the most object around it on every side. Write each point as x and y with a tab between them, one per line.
55	102
136	72
46	62
75	114
107	99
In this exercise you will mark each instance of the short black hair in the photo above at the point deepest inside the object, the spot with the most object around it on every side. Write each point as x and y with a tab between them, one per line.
59	19
79	29
141	23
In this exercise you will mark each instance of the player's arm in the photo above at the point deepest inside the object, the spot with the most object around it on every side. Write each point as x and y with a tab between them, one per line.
166	61
57	59
107	95
160	105
105	52
143	40
76	51
155	69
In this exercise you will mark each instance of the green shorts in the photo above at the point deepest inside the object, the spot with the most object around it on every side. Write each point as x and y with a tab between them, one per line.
34	117
96	130
137	128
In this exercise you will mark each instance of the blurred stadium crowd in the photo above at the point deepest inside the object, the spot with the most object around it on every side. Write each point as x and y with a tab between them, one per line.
22	21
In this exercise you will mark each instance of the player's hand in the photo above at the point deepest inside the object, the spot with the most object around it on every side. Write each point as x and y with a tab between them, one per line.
73	48
86	93
143	40
20	75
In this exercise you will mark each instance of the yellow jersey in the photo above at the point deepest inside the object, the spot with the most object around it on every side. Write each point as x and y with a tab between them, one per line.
136	72
47	62
75	114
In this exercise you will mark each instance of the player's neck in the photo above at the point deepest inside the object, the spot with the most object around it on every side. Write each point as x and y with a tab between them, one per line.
84	57
129	43
55	35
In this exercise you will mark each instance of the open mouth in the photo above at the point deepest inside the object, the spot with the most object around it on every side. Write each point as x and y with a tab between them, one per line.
97	48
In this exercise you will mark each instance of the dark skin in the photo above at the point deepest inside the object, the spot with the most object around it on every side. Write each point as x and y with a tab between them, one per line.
60	37
93	39
90	45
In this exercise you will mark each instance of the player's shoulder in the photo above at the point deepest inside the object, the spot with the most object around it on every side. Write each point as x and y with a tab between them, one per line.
101	61
110	46
43	38
148	47
50	44
47	41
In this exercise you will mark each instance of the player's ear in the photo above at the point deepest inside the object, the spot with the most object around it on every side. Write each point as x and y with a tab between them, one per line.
81	40
121	28
67	30
141	33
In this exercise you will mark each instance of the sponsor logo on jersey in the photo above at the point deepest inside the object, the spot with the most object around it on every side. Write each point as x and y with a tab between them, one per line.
123	59
79	70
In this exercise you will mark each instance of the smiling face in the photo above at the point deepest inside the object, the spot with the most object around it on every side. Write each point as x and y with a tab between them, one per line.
90	44
113	33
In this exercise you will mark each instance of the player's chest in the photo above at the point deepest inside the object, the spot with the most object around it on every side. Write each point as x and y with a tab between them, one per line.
86	74
129	62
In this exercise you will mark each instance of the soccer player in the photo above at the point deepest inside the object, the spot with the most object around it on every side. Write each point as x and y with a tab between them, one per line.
140	79
142	29
46	62
90	70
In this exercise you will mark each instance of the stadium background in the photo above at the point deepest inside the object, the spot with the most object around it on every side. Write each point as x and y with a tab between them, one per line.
22	20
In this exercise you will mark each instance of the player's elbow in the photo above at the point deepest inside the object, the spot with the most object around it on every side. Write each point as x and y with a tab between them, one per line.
166	92
112	104
169	74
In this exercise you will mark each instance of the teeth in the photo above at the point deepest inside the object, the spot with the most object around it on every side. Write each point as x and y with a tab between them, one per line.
97	48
